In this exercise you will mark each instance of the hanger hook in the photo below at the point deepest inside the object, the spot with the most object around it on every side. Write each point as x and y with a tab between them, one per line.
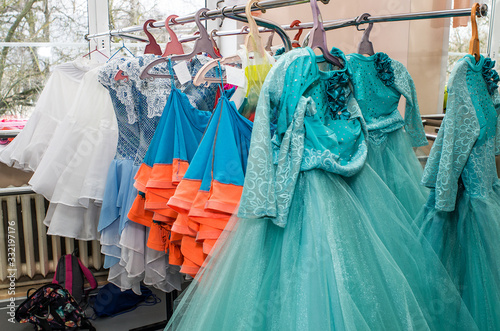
201	27
360	19
222	11
232	9
204	14
483	10
169	19
296	38
259	7
474	47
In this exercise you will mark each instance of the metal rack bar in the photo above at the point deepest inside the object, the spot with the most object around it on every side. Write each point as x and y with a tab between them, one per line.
15	191
212	14
9	133
483	11
337	24
329	25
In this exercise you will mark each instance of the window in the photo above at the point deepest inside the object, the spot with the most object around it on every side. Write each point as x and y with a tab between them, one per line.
37	35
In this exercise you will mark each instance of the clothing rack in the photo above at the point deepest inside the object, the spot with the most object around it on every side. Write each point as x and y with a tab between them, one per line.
328	25
482	12
211	14
337	24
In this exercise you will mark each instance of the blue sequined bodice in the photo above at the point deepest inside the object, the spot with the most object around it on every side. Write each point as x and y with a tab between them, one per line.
378	84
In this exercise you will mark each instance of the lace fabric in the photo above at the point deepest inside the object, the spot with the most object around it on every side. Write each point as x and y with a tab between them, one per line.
464	147
306	137
143	101
460	219
26	151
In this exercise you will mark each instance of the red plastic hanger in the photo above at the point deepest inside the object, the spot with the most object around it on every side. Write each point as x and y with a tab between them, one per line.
202	44
98	51
173	46
152	47
295	41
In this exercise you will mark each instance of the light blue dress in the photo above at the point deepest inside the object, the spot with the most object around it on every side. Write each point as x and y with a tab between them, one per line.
462	216
310	251
379	82
138	105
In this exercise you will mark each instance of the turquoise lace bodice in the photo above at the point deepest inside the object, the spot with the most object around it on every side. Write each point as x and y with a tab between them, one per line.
469	137
379	82
318	125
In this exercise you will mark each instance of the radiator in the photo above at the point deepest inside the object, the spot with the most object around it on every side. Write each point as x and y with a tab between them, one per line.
36	253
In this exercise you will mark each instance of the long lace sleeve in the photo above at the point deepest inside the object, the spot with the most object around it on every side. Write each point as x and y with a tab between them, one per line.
496	104
457	135
413	123
278	100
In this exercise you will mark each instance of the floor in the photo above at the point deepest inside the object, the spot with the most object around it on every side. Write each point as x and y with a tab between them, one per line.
134	319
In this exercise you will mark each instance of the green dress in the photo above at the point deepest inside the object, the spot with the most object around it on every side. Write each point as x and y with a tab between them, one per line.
320	242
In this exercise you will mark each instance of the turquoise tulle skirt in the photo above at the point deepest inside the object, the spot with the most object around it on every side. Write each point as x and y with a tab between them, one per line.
394	160
348	259
467	240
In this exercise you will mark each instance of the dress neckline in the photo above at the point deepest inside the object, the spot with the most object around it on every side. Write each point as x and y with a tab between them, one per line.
471	60
361	57
328	74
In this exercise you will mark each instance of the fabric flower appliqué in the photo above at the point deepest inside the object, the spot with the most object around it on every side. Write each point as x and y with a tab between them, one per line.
336	96
384	68
280	51
490	75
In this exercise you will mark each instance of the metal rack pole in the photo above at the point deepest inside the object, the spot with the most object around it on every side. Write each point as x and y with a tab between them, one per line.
483	11
337	24
329	25
15	191
212	14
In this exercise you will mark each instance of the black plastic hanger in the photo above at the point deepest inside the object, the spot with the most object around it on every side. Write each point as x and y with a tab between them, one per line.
365	46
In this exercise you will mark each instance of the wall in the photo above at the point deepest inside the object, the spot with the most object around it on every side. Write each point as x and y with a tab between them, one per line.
10	176
428	55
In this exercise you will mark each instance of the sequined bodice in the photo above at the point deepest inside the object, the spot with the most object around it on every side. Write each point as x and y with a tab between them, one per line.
318	125
378	84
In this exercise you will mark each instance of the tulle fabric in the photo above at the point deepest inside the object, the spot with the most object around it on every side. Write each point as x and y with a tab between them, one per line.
465	239
118	198
124	242
26	151
74	222
394	160
346	260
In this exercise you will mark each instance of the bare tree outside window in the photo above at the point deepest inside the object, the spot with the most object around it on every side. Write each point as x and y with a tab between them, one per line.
61	25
